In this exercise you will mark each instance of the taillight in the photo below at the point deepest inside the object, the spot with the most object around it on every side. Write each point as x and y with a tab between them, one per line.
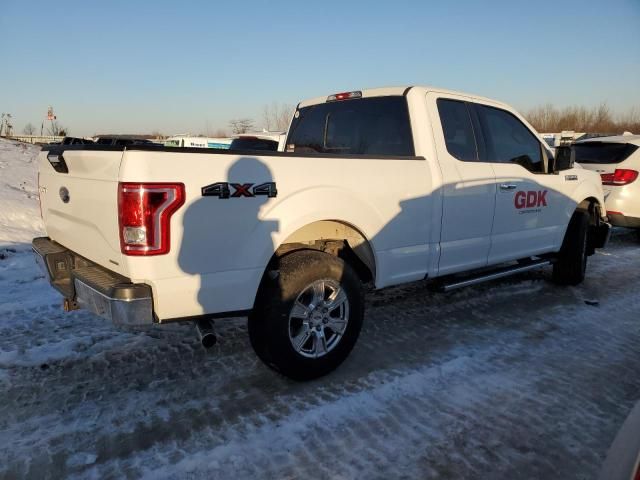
144	216
621	176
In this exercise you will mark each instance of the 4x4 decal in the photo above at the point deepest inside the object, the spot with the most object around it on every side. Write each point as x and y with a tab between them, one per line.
237	190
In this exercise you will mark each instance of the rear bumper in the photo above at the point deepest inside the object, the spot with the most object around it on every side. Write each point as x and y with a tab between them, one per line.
87	285
622	220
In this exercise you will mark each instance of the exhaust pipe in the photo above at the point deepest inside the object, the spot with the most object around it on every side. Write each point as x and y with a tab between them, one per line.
206	333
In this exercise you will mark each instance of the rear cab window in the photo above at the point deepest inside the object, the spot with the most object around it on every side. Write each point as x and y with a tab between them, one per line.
375	126
603	152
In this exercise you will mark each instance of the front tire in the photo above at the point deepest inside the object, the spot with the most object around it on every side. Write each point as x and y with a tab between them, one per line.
308	315
571	266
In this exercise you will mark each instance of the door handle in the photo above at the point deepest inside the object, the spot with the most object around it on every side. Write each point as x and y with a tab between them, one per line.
508	186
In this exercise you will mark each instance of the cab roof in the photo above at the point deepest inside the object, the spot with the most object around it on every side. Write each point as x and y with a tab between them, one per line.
400	90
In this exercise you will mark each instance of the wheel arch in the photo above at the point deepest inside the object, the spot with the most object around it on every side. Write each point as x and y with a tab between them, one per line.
592	206
336	237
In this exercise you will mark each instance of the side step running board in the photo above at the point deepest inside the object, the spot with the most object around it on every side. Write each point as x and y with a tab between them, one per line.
453	284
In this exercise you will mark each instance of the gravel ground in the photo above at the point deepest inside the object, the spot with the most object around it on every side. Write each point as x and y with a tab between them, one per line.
516	378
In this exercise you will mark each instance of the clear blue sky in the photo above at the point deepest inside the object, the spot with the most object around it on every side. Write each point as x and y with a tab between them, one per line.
125	66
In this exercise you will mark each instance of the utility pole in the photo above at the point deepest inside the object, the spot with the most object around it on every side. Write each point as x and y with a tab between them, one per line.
51	117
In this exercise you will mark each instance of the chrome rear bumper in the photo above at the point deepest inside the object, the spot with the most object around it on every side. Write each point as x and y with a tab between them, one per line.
92	287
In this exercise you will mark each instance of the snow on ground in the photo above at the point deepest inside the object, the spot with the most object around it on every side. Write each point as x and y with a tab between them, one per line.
19	211
516	378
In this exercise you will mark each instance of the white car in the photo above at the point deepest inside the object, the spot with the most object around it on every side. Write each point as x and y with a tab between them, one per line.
379	187
617	160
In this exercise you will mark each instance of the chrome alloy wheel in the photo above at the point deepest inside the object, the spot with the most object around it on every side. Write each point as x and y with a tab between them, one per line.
318	318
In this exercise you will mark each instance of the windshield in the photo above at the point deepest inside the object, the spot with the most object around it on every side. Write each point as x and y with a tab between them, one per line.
603	152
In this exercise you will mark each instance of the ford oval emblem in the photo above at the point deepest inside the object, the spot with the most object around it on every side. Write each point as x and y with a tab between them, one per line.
64	194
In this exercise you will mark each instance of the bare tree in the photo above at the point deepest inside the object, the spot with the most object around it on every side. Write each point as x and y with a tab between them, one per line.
221	133
242	125
277	116
630	121
599	119
56	129
29	129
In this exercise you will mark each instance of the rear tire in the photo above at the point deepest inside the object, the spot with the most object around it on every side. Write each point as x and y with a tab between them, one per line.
308	315
571	266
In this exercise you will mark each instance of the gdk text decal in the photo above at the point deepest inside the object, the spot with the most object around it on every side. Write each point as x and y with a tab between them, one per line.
530	199
236	190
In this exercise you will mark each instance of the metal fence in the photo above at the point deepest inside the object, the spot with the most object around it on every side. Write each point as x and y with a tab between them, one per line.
40	139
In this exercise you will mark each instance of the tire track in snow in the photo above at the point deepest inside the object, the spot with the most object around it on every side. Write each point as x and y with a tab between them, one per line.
438	385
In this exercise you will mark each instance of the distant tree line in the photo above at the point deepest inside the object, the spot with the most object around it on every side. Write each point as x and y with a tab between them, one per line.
52	128
599	119
275	117
545	118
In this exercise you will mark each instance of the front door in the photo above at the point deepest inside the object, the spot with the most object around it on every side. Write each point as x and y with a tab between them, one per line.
531	212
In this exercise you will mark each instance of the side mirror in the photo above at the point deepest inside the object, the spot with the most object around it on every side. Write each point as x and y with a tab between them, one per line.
564	159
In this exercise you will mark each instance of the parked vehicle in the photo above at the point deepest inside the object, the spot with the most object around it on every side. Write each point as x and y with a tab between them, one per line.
269	141
379	187
76	141
617	160
623	458
121	141
187	141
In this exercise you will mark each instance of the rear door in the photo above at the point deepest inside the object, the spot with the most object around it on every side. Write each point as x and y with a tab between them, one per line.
78	188
532	206
468	189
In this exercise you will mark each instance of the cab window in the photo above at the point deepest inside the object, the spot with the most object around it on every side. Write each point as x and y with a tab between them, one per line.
508	140
457	129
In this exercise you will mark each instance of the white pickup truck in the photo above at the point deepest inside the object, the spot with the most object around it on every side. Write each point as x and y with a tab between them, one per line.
379	187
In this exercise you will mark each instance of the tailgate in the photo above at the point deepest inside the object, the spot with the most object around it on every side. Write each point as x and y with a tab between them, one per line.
79	201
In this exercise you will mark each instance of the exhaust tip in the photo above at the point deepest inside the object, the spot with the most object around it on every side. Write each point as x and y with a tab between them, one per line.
206	333
208	340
